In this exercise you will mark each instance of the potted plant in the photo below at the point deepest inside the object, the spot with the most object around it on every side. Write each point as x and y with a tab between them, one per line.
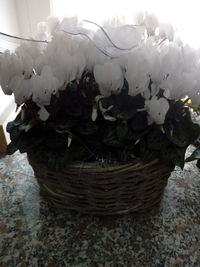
103	115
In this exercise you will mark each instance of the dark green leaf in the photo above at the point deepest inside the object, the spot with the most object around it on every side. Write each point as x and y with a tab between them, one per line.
124	106
86	128
110	138
198	163
55	140
156	140
139	122
174	155
179	127
10	126
122	132
11	148
79	152
52	159
145	153
27	141
15	134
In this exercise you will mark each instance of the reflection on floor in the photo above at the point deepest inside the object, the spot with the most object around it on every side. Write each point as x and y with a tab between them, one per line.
33	233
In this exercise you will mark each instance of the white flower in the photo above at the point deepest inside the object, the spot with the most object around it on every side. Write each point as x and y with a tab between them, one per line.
39	70
137	73
121	39
109	77
149	92
157	109
190	59
155	69
71	22
194	94
171	59
66	57
21	89
29	53
151	23
43	86
166	30
42	31
53	23
177	40
178	84
93	56
139	18
10	66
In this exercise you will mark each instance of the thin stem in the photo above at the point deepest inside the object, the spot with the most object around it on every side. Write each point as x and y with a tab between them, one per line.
23	39
84	34
162	41
117	47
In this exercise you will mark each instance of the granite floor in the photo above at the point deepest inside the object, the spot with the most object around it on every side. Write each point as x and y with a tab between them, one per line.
33	233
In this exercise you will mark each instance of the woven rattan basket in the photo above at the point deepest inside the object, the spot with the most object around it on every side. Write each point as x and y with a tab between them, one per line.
104	190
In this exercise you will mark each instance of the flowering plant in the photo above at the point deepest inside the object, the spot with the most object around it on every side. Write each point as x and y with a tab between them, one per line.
116	93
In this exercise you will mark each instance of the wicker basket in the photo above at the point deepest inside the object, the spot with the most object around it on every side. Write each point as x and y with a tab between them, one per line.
104	190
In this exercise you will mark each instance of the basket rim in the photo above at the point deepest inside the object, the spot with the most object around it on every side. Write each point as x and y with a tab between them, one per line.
104	190
135	165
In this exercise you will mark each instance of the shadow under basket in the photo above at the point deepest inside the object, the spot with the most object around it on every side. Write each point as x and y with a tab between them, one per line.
92	188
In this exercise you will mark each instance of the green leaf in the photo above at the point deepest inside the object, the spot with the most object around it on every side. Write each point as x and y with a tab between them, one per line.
52	159
54	140
122	132
15	134
87	128
27	141
79	152
139	121
156	140
11	148
110	138
179	127
147	154
10	126
174	155
141	134
17	122
57	161
198	163
124	106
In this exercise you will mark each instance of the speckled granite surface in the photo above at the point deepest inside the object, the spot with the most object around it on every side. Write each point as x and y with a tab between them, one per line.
32	233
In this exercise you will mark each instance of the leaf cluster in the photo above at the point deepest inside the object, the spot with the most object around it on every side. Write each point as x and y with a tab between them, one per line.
70	134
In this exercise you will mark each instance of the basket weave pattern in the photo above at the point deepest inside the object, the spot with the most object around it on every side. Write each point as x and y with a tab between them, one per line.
94	189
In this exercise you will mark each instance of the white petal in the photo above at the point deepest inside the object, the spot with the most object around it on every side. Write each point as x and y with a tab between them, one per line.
109	76
43	114
94	113
157	109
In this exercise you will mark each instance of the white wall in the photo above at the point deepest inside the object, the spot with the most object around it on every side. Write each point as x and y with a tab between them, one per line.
30	13
8	23
8	17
